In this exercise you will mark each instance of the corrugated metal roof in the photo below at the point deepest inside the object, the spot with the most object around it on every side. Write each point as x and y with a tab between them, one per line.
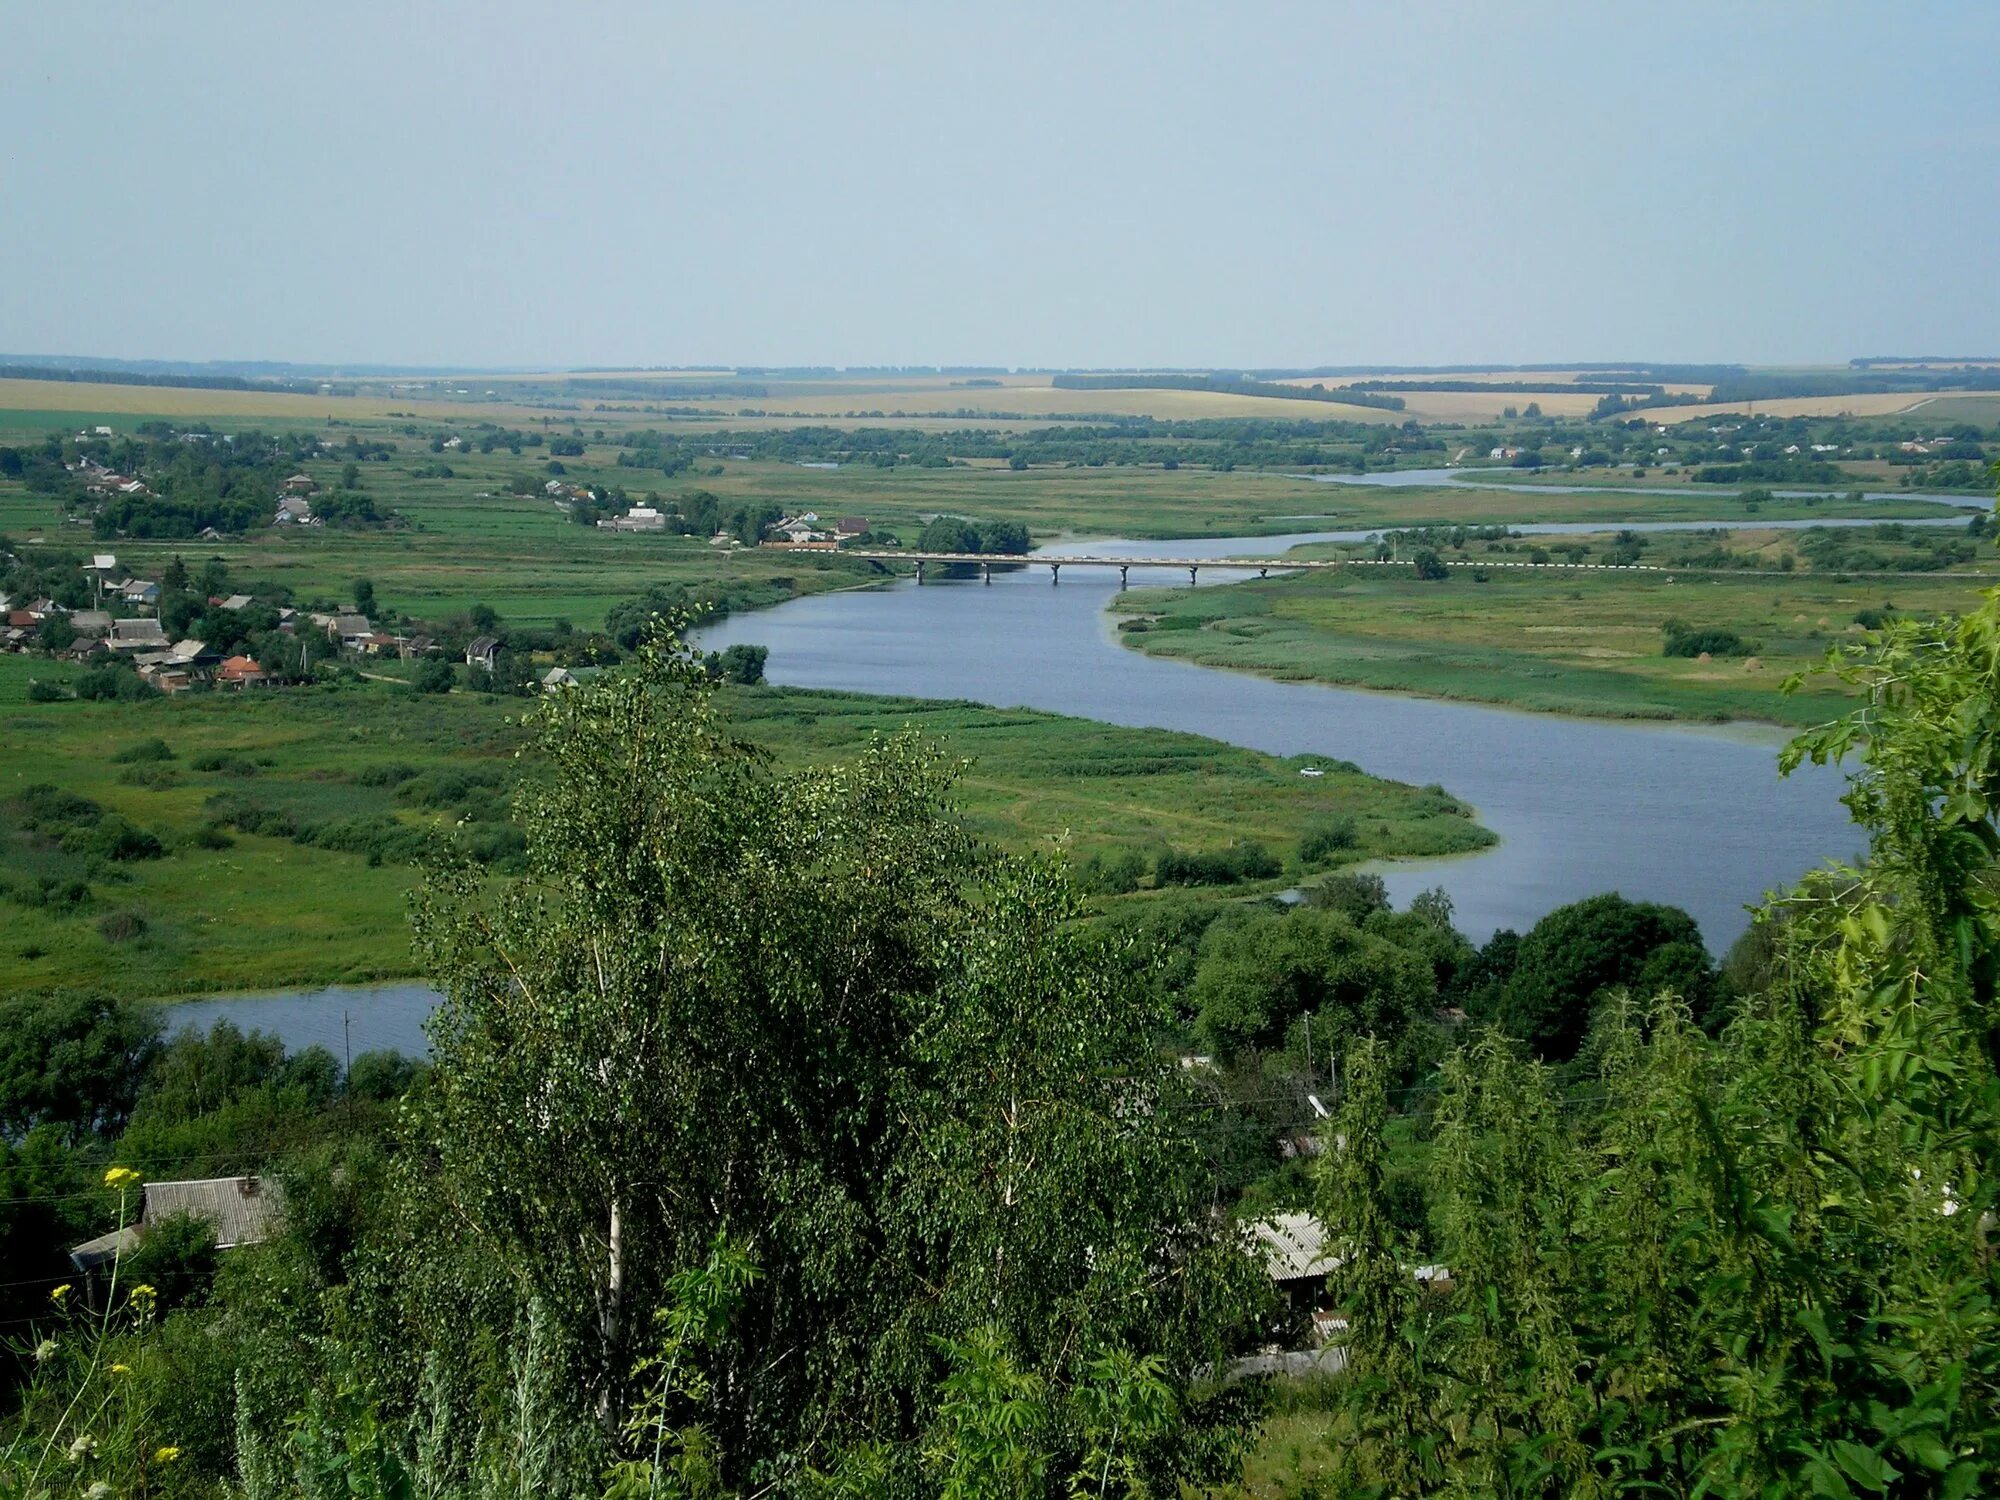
1292	1246
241	1210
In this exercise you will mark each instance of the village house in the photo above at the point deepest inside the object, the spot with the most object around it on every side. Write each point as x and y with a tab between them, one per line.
138	635
350	631
139	593
638	518
798	529
94	623
481	652
300	484
240	1210
294	511
240	672
849	528
235	602
418	645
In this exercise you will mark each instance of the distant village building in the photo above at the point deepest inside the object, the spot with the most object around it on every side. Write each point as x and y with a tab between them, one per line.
138	635
293	511
240	672
240	1210
92	623
638	518
481	652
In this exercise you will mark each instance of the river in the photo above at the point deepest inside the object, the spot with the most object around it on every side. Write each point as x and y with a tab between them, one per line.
1694	816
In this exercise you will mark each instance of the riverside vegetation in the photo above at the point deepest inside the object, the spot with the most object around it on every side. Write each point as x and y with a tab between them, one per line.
781	1136
1721	640
796	1125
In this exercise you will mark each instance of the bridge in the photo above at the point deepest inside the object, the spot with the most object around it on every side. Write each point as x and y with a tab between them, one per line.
1261	566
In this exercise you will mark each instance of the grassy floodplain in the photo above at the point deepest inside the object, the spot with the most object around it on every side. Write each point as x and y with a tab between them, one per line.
1561	642
361	768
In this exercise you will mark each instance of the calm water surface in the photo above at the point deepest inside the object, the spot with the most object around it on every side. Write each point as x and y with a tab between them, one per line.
1692	816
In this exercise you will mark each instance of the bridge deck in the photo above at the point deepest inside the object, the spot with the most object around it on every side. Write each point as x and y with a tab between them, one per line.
1265	565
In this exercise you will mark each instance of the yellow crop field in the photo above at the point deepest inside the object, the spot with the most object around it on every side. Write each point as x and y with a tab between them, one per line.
1485	406
1046	401
182	401
1878	404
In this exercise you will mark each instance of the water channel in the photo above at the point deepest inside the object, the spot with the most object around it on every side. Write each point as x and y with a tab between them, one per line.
1694	816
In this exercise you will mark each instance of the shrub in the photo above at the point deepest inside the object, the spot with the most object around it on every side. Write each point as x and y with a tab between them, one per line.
1238	862
113	838
145	750
229	765
434	675
393	773
122	927
1688	640
1323	842
45	692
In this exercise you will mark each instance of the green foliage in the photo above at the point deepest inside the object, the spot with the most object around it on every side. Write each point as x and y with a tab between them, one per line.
1689	640
887	1055
72	1062
1745	1269
1246	860
1578	952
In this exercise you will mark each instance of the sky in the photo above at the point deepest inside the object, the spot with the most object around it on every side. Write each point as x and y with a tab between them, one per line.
1065	184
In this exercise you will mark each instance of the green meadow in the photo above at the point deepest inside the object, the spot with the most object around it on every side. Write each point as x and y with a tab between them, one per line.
286	821
1579	642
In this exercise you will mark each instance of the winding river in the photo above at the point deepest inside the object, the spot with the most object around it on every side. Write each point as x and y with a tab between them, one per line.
1694	816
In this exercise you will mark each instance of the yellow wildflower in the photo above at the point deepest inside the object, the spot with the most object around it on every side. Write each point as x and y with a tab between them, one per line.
121	1369
165	1455
142	1295
60	1294
120	1177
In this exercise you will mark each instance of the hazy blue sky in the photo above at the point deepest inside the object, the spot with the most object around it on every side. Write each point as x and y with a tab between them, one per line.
1068	183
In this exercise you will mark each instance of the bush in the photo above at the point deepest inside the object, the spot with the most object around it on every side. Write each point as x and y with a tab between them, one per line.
146	750
108	684
1688	640
122	927
230	765
392	773
1323	842
1239	862
45	692
434	675
113	838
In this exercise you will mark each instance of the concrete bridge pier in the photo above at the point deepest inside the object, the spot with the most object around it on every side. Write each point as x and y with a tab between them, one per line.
1055	573
920	573
986	574
1124	576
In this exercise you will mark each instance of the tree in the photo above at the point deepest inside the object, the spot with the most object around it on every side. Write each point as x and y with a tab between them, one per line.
948	534
1579	951
741	663
434	675
350	476
1430	567
811	1014
72	1061
364	596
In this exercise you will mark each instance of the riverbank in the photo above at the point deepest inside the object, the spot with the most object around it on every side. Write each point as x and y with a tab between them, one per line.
1584	644
273	832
